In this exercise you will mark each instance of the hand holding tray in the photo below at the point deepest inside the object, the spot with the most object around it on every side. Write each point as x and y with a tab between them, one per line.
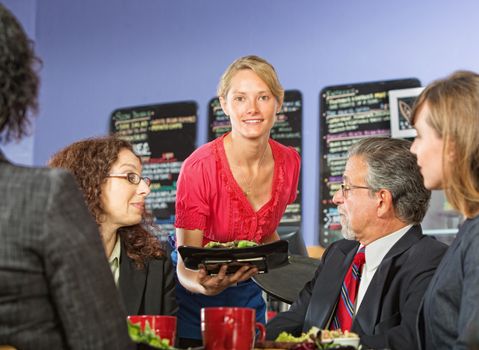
264	257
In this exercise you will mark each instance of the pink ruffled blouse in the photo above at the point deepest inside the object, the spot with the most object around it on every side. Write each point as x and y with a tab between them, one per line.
208	198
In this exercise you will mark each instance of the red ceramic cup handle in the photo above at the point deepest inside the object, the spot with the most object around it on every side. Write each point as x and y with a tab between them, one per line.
262	332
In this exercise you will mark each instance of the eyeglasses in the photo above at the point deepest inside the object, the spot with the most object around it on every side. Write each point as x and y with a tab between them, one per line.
133	178
346	188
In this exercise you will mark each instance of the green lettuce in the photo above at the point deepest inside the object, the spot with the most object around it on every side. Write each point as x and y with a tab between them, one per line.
232	244
288	338
147	336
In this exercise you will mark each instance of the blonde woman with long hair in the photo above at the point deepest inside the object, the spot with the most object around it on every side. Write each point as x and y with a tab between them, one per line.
446	117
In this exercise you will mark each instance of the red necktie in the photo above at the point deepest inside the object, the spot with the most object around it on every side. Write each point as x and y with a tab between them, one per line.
343	318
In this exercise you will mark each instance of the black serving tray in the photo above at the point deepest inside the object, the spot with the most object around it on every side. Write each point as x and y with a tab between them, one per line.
279	283
264	257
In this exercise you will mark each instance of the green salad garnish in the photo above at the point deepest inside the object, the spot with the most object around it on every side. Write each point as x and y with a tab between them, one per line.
289	338
232	244
147	336
317	339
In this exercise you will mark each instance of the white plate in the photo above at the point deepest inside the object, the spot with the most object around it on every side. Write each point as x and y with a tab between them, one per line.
347	341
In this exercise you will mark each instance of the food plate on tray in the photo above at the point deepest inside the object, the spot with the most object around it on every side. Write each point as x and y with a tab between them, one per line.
263	256
314	339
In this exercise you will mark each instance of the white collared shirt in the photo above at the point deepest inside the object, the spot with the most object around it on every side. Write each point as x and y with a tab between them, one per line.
114	260
375	253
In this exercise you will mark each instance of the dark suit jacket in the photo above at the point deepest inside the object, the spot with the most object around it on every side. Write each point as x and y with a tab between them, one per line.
148	291
387	315
56	288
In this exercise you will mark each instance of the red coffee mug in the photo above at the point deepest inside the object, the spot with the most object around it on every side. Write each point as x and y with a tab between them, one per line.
163	326
230	328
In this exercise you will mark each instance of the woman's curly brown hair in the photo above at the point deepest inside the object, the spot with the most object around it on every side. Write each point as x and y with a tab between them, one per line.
90	162
18	78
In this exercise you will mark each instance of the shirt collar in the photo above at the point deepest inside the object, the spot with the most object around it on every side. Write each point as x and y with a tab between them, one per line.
115	254
377	250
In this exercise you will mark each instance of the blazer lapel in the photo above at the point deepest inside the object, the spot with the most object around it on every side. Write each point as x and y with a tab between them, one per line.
132	283
327	288
368	312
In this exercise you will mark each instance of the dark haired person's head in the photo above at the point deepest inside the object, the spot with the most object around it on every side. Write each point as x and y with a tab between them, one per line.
18	79
109	175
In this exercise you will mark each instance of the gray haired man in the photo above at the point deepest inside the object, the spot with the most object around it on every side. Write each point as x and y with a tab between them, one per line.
372	281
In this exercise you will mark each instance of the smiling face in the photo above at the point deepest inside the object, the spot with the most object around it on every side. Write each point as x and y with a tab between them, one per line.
357	208
250	105
123	203
428	147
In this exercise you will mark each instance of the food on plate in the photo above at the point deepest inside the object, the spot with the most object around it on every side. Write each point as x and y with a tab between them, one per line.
316	339
327	335
286	337
232	244
147	336
214	263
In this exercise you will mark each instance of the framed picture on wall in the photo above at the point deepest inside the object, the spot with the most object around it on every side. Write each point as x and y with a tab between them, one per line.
401	103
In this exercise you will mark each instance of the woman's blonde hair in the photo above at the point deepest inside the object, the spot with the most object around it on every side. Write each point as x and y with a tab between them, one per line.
258	65
454	114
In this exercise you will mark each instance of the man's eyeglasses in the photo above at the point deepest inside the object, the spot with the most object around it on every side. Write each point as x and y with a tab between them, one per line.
133	178
346	188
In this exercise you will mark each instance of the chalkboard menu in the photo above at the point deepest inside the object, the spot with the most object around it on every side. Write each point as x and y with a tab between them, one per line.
348	113
287	131
163	135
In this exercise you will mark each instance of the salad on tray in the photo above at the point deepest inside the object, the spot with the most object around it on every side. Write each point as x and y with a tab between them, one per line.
315	339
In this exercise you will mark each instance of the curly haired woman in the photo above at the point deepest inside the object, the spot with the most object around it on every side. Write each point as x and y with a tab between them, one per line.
108	172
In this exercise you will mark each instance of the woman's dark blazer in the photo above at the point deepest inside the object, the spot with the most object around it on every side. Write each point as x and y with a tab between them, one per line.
148	291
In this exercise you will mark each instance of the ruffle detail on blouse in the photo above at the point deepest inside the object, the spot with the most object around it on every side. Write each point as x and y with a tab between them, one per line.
271	215
252	226
188	221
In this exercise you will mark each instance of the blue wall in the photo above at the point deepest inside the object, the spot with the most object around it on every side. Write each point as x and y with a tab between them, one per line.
101	55
25	11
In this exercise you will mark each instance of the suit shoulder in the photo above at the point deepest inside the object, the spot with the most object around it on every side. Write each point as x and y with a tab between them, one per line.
29	171
157	261
38	180
159	265
469	231
344	245
432	243
427	249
